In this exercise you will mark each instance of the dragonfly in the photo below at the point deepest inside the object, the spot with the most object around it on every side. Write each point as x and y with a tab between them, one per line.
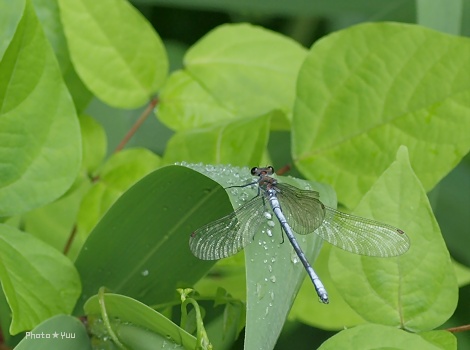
299	211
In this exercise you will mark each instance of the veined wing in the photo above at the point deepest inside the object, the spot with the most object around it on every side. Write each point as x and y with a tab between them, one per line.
362	236
230	234
302	208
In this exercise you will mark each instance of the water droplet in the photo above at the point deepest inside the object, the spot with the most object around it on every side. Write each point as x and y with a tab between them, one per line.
270	268
145	273
271	223
265	261
273	279
267	215
294	258
269	232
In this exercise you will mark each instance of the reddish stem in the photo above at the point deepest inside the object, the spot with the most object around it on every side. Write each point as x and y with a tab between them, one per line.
70	240
137	124
283	170
459	329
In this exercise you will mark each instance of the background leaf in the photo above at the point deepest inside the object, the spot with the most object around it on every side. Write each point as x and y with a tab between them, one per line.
27	263
393	287
376	336
381	91
115	51
40	144
224	71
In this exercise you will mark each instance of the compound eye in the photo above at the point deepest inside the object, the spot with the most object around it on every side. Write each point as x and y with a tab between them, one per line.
270	170
254	171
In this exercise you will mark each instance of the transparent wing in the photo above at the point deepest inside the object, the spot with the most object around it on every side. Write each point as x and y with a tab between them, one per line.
230	234
362	236
303	210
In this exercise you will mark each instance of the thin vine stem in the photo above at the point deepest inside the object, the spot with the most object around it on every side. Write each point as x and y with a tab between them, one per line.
153	102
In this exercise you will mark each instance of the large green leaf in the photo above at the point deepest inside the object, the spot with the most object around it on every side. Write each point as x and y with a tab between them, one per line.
274	276
390	291
234	71
115	51
221	143
38	281
140	247
364	91
40	137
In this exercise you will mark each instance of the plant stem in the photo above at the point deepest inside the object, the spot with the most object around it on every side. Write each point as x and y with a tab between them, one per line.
459	329
137	124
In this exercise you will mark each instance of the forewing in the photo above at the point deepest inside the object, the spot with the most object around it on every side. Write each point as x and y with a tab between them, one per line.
302	208
230	234
362	236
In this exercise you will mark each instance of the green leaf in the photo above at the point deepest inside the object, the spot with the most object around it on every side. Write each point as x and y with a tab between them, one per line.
372	336
40	143
120	172
235	71
26	263
221	143
59	332
145	234
443	339
135	324
115	51
274	275
93	143
49	15
390	290
364	91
